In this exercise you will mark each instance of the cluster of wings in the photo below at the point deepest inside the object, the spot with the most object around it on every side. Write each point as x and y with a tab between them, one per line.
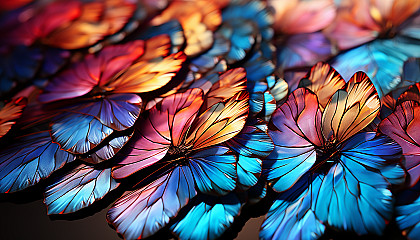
190	112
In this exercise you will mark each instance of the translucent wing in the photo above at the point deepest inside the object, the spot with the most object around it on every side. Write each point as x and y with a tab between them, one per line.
324	81
78	188
228	84
142	212
208	217
9	113
147	74
78	133
354	195
351	109
86	124
31	159
219	122
214	170
94	70
166	124
292	215
295	130
401	126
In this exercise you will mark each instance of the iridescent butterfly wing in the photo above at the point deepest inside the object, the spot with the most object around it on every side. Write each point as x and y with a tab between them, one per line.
78	188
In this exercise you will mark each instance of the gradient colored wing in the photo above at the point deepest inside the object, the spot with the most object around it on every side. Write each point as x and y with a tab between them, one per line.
31	159
295	130
78	188
293	17
40	20
142	212
324	81
208	217
198	19
214	170
78	133
292	215
166	124
82	77
381	59
116	111
86	124
351	109
302	50
147	74
354	196
402	126
97	20
219	122
226	85
9	113
108	151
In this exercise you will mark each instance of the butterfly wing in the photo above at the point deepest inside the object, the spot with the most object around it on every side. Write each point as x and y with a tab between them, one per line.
295	130
354	195
219	122
28	161
9	113
350	110
78	188
324	81
166	124
214	170
292	215
401	126
83	76
208	217
142	212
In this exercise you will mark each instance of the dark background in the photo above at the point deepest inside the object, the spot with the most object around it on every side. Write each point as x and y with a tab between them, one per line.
29	220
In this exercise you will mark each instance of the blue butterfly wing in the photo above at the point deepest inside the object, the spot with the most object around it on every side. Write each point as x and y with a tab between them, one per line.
255	11
253	145
78	133
211	60
214	170
77	189
86	124
381	59
241	34
292	214
28	161
142	212
294	136
407	212
258	68
208	217
354	195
